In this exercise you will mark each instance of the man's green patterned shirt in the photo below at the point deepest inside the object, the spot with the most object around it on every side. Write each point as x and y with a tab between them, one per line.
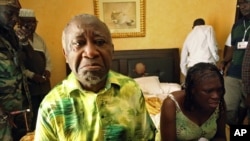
117	112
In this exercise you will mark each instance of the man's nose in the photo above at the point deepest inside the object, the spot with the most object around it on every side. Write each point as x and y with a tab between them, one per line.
90	50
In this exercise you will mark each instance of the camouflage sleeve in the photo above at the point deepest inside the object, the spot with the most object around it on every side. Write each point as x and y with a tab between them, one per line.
10	82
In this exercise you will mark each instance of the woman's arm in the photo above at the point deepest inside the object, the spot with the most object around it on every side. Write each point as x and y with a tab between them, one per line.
167	120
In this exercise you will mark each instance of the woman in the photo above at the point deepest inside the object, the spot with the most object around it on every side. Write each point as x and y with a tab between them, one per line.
198	111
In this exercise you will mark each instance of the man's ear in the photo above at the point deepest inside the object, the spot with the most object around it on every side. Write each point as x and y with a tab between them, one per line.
65	55
113	50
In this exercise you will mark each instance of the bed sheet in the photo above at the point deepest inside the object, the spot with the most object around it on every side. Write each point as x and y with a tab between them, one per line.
154	101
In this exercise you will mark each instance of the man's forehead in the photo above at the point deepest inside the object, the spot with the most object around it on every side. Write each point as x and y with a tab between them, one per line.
88	22
83	26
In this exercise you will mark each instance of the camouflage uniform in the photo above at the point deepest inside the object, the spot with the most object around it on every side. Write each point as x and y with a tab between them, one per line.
11	80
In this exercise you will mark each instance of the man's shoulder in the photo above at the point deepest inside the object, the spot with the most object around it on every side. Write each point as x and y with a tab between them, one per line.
4	44
56	94
239	22
121	79
112	72
38	37
119	76
36	34
58	90
204	27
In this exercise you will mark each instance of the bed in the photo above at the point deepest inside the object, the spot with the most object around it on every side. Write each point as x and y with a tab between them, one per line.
163	74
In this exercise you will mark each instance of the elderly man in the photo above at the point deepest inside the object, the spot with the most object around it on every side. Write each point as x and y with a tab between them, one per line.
11	78
92	103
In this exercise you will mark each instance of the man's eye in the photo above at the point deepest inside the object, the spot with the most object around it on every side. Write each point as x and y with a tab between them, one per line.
75	44
99	42
78	43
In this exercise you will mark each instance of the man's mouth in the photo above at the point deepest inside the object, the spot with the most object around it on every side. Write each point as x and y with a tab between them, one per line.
92	67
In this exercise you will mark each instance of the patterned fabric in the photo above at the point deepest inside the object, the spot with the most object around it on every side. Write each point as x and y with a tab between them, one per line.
246	70
187	130
117	112
11	79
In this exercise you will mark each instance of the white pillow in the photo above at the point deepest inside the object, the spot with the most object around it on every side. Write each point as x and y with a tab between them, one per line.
169	87
149	84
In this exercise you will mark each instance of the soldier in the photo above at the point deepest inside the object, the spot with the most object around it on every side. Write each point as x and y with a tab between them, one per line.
11	79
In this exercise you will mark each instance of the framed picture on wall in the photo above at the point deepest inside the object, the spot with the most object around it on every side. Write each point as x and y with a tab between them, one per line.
125	18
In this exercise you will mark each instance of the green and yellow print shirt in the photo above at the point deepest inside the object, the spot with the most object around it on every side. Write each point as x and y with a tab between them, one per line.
117	112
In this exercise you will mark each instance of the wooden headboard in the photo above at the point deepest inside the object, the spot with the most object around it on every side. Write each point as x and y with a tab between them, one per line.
164	63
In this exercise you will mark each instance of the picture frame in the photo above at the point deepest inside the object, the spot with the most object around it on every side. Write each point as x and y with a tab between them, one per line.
125	18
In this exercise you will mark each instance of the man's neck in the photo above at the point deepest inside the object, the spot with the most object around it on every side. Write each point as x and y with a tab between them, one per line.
247	17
